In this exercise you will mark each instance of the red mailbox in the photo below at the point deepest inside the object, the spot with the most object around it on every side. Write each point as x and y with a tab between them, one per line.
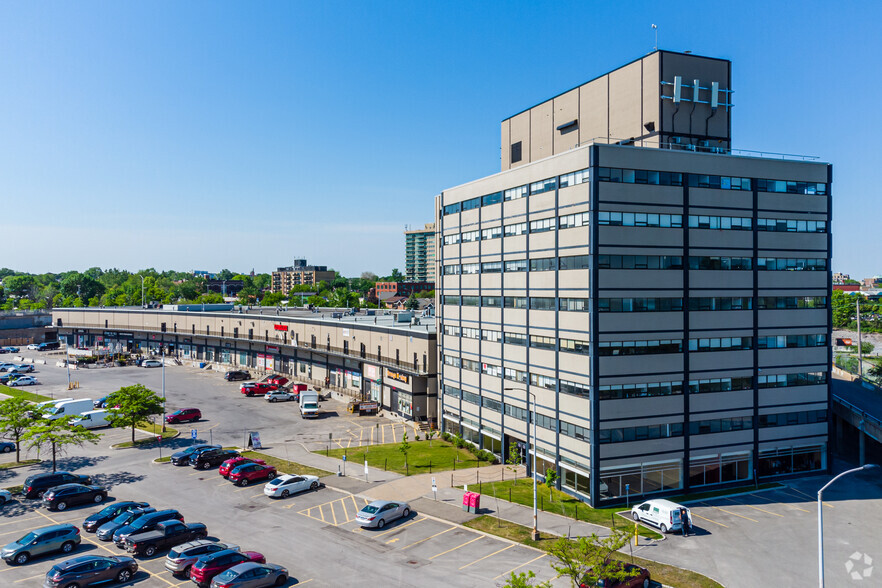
474	502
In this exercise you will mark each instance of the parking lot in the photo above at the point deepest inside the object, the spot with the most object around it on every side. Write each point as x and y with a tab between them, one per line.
313	534
752	539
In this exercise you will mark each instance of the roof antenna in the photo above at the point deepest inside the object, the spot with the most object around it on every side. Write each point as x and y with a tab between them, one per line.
655	28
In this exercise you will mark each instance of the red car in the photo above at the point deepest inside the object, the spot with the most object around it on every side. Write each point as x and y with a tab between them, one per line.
185	415
209	566
277	380
234	462
639	578
251	472
252	388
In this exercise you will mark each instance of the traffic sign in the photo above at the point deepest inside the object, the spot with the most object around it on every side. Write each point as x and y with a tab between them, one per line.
192	433
344	457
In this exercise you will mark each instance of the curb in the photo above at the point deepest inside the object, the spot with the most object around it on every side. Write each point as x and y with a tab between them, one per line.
116	446
23	465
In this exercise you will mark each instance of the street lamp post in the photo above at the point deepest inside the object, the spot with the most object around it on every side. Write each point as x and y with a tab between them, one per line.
142	292
821	518
534	534
163	389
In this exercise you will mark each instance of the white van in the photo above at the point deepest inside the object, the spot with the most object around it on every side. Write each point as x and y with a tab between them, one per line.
309	404
68	408
44	406
660	513
92	419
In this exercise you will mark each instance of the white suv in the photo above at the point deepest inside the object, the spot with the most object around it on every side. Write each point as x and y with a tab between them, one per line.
279	396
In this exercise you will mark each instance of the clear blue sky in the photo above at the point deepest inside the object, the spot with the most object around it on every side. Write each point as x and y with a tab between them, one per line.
204	135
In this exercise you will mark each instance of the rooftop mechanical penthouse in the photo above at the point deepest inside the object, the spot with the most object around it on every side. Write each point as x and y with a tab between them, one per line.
661	297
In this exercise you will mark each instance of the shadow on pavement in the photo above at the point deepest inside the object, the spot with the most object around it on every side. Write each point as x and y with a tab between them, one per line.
70	464
115	479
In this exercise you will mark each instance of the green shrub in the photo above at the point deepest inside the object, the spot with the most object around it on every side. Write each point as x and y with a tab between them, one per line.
446	436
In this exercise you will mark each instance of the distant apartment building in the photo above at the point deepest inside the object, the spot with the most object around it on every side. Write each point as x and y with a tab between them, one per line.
650	301
840	278
300	274
385	290
870	283
419	254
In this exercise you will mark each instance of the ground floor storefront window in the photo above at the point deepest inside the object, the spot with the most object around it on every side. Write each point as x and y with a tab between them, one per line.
644	478
578	481
792	460
719	469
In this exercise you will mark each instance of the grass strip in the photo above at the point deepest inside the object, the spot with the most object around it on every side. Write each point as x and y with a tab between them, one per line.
19	393
19	464
286	467
666	574
422	458
521	492
153	430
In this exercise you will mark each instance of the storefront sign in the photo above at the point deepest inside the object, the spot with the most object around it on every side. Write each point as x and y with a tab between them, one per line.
272	349
110	333
124	334
371	372
280	327
397	376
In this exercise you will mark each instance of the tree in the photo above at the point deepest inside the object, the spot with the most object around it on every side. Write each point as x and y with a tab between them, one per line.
132	404
588	560
550	479
514	456
524	580
412	303
875	371
866	348
429	434
58	434
404	447
15	420
369	276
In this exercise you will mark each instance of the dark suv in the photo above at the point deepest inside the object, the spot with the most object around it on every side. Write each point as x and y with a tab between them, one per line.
234	375
143	523
35	486
211	458
182	458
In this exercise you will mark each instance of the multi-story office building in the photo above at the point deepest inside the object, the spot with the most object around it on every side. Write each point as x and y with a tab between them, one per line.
419	254
662	299
300	274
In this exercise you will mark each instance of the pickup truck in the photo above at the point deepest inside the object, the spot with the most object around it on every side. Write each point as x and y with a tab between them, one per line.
167	535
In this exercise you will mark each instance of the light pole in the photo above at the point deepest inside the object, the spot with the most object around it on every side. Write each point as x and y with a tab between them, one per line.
142	291
534	534
163	388
821	518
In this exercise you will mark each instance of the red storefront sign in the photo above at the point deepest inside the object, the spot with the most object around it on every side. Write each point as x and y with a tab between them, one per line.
280	327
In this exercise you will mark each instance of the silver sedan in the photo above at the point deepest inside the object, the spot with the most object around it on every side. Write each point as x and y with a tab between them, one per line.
379	512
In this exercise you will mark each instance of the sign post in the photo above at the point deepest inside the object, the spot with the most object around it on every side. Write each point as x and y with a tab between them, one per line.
193	434
434	488
365	470
344	464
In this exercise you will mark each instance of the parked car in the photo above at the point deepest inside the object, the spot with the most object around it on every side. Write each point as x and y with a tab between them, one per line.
105	532
279	396
211	458
7	446
38	409
48	346
182	458
9	349
231	464
60	497
7	377
277	380
639	578
110	512
251	575
151	363
379	512
5	496
5	367
33	346
234	375
252	388
101	402
209	566
91	570
23	381
166	535
288	484
251	472
181	557
661	513
34	486
184	415
41	541
21	368
145	522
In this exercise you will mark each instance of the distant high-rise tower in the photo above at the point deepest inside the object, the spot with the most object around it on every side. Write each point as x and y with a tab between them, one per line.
419	254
